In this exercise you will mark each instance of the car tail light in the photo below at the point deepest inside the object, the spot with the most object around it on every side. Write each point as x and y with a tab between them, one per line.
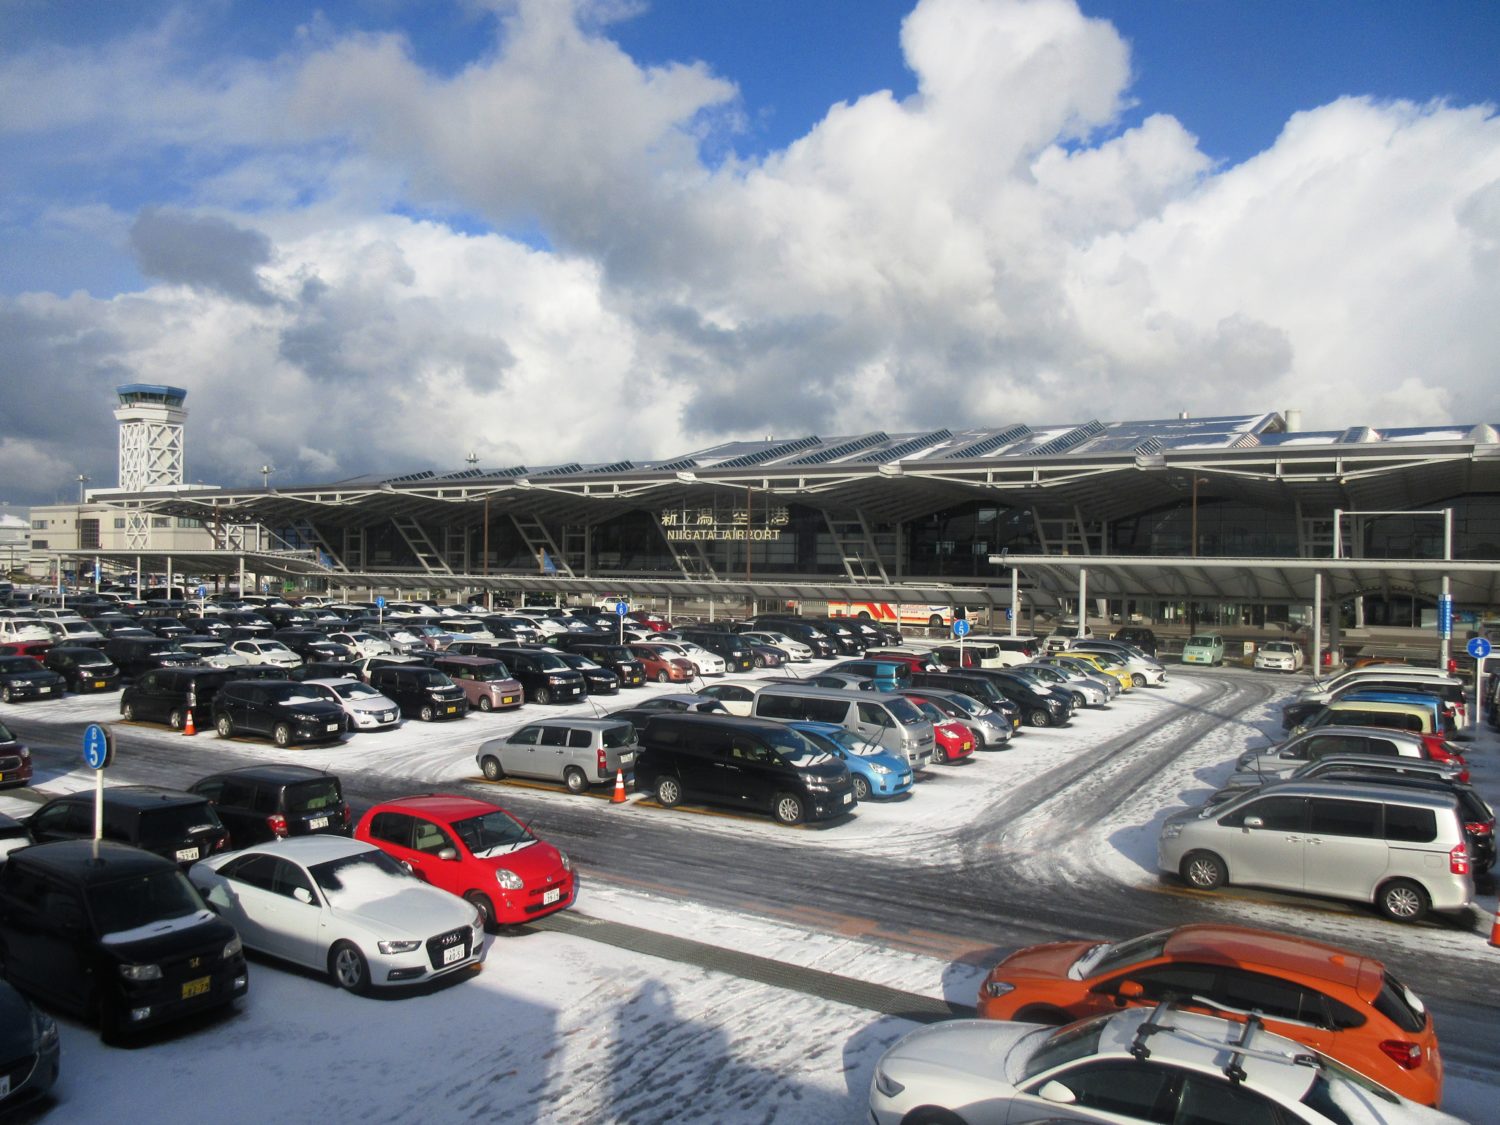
1458	860
277	824
603	763
1479	827
348	816
1408	1056
221	843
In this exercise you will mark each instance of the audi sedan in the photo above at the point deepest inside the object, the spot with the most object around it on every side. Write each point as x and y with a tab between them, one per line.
344	908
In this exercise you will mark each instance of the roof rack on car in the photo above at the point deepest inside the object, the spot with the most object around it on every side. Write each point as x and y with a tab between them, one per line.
1239	1050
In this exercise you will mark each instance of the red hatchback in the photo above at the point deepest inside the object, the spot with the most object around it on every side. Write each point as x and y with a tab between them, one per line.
474	849
952	740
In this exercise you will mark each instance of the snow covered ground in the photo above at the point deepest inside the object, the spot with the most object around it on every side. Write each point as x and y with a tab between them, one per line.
558	1028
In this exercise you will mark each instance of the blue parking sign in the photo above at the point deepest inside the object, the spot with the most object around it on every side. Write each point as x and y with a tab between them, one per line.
98	746
622	608
960	628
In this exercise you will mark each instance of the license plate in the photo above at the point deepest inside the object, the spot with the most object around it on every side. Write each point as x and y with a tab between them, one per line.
197	987
551	896
968	746
330	727
506	699
452	709
454	954
43	691
626	759
575	691
848	798
187	855
318	822
101	683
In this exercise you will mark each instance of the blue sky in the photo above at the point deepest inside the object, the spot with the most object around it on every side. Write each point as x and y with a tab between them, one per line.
726	217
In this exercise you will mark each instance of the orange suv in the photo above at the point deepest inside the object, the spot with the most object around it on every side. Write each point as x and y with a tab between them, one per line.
1342	1004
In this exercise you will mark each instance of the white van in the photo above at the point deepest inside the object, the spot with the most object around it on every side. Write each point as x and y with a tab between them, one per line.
891	721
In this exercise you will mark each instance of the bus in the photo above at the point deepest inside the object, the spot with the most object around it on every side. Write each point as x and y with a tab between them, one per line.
896	613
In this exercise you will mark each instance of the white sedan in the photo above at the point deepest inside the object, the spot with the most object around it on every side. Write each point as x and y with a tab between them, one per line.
267	652
795	650
364	707
342	907
363	643
1279	656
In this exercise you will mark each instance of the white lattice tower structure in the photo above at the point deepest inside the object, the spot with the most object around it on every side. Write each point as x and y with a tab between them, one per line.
151	418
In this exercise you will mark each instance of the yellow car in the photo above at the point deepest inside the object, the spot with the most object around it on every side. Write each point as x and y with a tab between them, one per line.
1098	662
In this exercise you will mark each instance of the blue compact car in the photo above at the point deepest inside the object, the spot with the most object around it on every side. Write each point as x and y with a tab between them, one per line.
876	772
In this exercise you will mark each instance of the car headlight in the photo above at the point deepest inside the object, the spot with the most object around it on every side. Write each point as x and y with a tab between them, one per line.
232	948
43	1028
141	972
817	787
1170	831
398	946
998	987
886	1084
508	879
877	768
567	864
306	716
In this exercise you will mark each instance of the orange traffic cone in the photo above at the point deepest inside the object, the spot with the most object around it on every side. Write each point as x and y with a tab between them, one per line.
187	725
1495	930
618	796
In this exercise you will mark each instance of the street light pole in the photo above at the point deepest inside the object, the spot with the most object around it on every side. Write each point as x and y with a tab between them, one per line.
265	475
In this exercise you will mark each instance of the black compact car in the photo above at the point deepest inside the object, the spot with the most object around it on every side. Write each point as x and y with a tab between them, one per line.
261	803
22	678
313	644
605	653
1143	638
175	825
736	653
597	680
166	695
745	763
123	938
136	655
29	1046
419	690
168	627
277	709
1040	707
83	667
545	676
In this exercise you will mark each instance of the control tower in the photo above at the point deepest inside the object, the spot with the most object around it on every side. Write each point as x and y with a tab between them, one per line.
151	418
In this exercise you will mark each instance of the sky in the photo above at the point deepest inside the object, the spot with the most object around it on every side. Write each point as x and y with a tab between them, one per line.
376	236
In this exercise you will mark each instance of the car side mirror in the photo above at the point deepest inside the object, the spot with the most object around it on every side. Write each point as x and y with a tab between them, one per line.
447	853
303	895
1130	990
1254	822
1055	1091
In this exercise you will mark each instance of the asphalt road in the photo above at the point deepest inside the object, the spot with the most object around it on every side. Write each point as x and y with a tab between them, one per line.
970	898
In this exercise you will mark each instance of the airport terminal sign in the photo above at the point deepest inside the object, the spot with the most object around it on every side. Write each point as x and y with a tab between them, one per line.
720	524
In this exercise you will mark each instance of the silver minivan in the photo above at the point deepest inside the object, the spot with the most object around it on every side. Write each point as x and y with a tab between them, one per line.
891	721
1401	849
1322	741
577	752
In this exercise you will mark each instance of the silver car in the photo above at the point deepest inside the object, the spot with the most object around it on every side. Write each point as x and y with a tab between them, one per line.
1280	760
364	707
577	752
1403	850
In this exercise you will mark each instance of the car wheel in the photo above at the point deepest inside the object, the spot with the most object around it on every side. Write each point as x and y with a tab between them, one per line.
939	755
127	712
486	908
175	720
224	725
1203	870
543	695
485	704
5	694
662	677
1138	679
426	713
347	967
787	809
1401	900
490	767
282	734
861	788
931	1116
934	622
575	781
1040	718
669	792
760	661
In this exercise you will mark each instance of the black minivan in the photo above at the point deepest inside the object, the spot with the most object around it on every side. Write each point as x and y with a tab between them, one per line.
420	691
135	656
123	938
745	763
166	695
261	803
84	667
544	675
281	710
178	826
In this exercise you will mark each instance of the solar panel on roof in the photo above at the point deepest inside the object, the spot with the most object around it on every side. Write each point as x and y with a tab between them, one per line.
617	467
902	449
1000	438
463	474
560	470
425	474
834	452
770	453
673	466
513	471
1070	440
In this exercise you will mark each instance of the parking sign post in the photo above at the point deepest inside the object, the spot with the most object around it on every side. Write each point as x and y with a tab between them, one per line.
98	753
960	630
1479	649
622	607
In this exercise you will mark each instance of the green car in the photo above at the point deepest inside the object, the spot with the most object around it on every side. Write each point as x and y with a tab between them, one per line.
1203	648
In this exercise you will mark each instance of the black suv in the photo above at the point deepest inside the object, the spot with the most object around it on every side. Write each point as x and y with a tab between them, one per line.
420	691
136	655
260	803
745	763
1040	707
1143	638
179	826
605	653
166	695
736	653
824	643
21	677
277	709
545	676
72	928
83	667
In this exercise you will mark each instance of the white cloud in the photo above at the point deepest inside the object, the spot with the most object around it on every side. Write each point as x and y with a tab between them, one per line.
993	248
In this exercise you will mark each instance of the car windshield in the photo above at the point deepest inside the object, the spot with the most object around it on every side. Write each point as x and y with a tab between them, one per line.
361	877
315	796
1111	958
1076	1041
493	833
853	742
14	665
201	648
905	711
124	905
1276	646
488	672
796	750
582	662
354	690
272	646
169	824
1202	640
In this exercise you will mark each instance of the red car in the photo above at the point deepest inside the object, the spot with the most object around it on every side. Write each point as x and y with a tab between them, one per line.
474	849
952	740
15	759
648	620
662	666
916	661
